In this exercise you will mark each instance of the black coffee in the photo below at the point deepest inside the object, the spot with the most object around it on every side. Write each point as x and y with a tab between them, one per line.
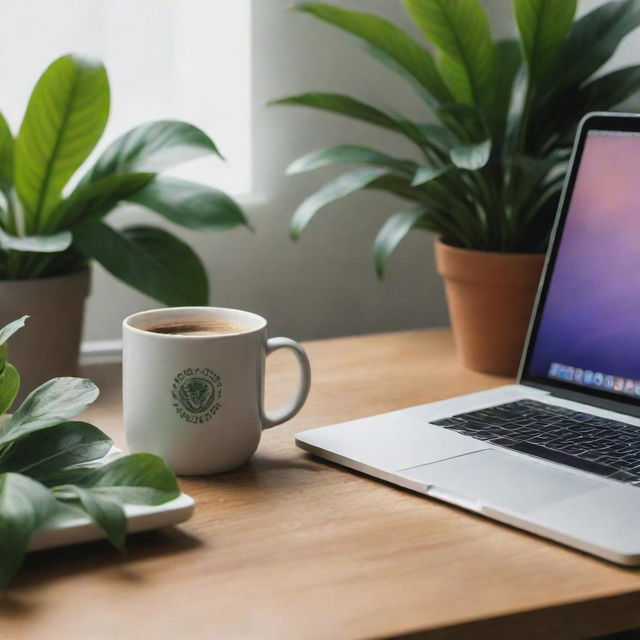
204	328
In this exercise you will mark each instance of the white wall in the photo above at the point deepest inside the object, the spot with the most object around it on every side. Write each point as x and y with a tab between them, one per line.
324	285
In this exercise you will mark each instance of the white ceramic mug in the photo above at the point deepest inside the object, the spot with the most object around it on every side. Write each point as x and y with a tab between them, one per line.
197	400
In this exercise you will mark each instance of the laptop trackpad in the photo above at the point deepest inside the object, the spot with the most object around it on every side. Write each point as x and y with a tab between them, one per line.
500	480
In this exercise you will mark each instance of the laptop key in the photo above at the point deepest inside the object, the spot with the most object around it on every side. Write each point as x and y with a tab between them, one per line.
623	475
504	442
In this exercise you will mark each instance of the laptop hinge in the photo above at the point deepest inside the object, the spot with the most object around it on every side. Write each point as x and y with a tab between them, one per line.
586	398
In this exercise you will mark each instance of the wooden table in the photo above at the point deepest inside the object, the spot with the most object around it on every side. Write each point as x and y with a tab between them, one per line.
290	547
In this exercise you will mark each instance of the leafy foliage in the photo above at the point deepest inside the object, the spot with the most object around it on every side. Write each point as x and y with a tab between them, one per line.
48	460
44	224
488	173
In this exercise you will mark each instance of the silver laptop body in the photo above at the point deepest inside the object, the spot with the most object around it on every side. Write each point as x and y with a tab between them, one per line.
548	485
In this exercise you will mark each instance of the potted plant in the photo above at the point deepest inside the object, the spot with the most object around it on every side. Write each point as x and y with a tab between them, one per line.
490	163
48	460
50	229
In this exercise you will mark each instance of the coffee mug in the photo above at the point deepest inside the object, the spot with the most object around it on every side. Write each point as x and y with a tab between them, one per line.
193	386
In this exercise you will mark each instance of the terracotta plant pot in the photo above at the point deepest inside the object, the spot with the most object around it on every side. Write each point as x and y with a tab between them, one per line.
49	345
490	297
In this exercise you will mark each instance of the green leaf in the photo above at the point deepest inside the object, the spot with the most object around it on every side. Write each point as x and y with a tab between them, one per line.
390	63
392	233
609	90
343	105
36	244
401	186
460	31
471	157
65	118
41	453
24	504
437	136
426	174
148	259
544	26
510	61
515	121
348	154
95	200
9	387
559	118
152	147
594	38
389	39
188	204
139	478
6	158
339	188
105	511
7	331
50	404
465	121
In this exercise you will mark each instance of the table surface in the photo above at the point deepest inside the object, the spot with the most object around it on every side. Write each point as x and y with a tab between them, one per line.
292	547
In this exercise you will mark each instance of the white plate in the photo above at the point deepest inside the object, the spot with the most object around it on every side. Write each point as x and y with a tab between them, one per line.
70	525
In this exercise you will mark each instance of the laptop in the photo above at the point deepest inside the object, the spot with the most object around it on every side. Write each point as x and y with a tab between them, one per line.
557	453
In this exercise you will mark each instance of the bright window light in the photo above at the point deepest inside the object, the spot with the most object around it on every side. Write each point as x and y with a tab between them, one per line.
178	59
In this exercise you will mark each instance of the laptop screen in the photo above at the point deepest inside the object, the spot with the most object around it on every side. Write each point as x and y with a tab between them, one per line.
588	330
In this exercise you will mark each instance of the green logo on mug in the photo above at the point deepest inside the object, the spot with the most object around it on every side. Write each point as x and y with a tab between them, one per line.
197	394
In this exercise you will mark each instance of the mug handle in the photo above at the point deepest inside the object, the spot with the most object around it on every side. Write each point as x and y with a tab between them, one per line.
291	409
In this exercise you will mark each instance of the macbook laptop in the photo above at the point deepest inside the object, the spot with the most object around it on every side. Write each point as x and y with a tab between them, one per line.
557	453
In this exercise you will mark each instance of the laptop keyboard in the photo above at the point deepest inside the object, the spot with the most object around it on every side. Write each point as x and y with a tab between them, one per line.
606	447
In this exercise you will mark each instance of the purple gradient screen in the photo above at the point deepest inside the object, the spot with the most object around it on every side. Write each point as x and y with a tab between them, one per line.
591	316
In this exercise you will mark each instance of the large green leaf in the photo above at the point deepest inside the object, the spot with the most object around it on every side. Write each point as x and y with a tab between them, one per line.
594	38
392	41
54	402
348	154
426	174
7	331
509	59
544	26
402	187
559	118
392	233
36	244
41	453
148	259
152	147
65	118
342	186
97	199
352	108
139	478
465	121
437	136
609	90
9	387
6	158
188	204
460	30
471	157
105	511
24	506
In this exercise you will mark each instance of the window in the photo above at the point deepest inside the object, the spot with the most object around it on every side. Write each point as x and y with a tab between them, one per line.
178	59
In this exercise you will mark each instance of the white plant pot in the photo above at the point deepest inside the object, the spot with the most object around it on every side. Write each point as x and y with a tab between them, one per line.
49	345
